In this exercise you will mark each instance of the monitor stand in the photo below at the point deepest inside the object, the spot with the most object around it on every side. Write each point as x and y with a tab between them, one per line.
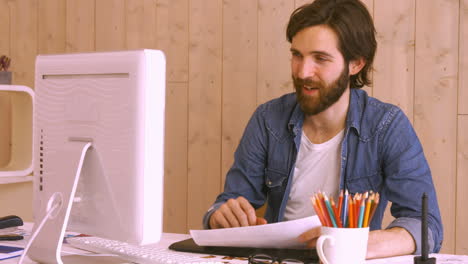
59	190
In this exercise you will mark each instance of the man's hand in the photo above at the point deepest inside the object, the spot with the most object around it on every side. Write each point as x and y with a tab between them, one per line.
310	237
234	213
382	243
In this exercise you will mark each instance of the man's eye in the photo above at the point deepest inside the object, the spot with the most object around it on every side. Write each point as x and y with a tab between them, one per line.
321	59
296	54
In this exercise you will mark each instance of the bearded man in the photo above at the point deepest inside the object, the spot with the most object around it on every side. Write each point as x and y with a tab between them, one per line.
330	135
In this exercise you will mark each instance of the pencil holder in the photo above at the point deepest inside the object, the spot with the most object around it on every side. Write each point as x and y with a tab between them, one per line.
343	245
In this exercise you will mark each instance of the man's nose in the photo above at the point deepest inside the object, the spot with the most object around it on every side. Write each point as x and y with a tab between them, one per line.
307	69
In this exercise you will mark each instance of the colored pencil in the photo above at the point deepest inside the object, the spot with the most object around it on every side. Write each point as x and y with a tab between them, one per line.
333	205
317	211
374	207
362	208
367	212
330	210
344	214
321	205
357	202
340	204
335	210
351	212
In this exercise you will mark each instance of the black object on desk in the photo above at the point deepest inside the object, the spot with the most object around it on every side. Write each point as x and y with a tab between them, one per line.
188	245
8	222
10	237
424	259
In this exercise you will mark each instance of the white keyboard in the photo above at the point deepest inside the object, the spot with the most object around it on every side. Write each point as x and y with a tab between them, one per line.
149	254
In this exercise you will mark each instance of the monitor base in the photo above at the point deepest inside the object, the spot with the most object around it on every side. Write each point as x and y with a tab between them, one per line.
60	192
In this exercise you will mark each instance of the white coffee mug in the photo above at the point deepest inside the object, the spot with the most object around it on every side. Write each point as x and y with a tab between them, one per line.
343	245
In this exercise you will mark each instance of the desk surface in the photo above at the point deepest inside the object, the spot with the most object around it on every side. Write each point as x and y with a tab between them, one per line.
70	254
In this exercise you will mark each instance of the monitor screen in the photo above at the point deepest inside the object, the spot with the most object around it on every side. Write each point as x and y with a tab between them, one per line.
99	146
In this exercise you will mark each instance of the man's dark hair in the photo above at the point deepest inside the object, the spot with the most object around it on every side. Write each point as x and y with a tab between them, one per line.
352	23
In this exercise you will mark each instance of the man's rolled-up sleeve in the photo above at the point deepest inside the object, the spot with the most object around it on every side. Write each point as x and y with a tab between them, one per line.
413	226
407	177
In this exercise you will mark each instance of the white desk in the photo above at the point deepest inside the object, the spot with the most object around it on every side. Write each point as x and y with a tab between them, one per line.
69	254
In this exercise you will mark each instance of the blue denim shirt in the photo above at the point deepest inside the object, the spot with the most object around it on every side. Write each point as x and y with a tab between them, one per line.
380	152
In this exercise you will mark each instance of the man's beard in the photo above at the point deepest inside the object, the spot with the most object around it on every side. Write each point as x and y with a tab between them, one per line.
327	94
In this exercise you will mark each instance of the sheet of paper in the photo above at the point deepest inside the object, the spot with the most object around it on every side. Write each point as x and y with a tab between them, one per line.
276	235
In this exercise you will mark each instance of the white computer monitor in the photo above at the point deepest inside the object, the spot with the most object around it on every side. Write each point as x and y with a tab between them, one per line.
98	147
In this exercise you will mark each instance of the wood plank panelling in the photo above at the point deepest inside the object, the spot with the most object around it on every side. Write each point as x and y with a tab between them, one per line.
298	3
5	102
239	74
463	58
11	196
140	24
173	37
21	42
462	182
204	124
175	176
23	32
52	26
370	7
110	25
80	28
172	18
462	140
394	61
435	111
4	27
5	132
274	70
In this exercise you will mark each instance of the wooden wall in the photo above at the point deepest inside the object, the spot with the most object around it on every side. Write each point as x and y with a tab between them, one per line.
225	57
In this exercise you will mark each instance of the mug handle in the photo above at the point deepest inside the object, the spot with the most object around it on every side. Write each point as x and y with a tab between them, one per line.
320	243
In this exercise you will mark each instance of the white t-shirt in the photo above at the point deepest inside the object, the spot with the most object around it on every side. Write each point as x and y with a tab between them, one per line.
317	168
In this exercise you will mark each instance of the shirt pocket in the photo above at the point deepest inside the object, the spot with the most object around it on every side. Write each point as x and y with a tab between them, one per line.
361	184
274	180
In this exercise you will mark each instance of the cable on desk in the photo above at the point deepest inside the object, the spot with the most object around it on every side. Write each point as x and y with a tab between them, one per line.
36	232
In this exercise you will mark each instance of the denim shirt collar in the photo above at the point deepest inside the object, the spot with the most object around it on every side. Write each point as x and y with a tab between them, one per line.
296	120
353	119
355	110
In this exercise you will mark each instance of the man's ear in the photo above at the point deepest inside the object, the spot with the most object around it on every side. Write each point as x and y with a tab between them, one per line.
355	66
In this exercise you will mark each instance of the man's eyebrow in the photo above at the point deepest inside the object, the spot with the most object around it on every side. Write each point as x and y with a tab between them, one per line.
315	52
